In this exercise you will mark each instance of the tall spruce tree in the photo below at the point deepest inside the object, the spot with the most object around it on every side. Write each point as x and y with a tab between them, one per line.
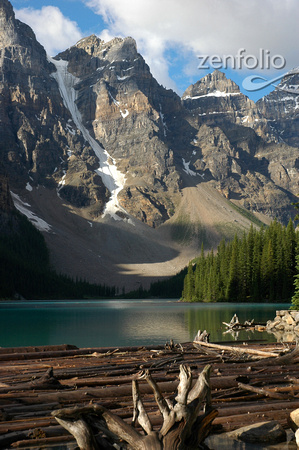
295	298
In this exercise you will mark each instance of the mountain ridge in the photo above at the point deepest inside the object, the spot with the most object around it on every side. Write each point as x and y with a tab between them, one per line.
176	157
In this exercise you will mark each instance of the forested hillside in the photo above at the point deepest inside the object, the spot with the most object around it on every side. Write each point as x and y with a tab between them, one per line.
25	270
258	267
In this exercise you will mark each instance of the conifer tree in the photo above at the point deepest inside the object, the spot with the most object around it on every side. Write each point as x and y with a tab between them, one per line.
295	298
188	292
231	292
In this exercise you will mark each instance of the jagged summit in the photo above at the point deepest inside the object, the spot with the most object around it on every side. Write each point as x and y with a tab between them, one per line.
94	46
215	83
217	99
7	23
114	50
16	33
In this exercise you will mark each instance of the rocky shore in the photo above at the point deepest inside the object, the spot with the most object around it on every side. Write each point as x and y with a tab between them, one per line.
285	326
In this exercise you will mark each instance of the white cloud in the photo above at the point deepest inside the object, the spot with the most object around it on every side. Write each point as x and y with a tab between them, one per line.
203	27
52	29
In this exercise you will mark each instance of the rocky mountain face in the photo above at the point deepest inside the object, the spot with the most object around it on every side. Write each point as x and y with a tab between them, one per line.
217	100
239	146
37	137
96	130
281	110
6	203
8	219
132	116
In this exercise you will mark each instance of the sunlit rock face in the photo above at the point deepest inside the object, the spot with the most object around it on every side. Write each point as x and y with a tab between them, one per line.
132	116
154	143
217	100
39	142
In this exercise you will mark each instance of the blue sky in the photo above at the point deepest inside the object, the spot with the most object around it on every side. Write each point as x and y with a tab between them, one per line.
171	34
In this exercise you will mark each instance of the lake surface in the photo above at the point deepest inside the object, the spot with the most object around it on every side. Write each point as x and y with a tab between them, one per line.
109	323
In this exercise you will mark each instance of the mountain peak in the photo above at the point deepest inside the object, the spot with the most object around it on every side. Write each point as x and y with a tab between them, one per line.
7	19
13	32
213	83
6	9
91	49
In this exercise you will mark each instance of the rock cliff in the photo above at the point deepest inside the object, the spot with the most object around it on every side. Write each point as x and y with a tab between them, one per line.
92	126
39	143
129	113
238	150
217	100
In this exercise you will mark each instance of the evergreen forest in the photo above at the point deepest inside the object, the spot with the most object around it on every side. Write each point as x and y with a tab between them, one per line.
259	266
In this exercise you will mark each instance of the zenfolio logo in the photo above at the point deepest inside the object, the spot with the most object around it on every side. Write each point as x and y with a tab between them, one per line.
244	61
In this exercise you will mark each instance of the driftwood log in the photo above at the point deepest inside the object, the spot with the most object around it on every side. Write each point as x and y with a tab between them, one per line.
29	391
182	428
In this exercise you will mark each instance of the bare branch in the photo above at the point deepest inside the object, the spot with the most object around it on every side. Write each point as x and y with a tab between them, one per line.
81	432
139	412
201	389
161	402
184	385
69	417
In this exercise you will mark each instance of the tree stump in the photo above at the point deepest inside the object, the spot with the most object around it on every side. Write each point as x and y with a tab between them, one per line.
95	428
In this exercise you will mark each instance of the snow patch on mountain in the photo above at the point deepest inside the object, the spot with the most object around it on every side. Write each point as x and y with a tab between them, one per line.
212	94
23	207
113	179
123	114
190	172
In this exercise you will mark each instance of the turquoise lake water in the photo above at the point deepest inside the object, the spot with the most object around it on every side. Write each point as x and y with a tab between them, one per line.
123	322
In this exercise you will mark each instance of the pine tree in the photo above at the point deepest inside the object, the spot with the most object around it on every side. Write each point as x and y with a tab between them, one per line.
290	249
256	267
243	269
199	277
295	298
188	292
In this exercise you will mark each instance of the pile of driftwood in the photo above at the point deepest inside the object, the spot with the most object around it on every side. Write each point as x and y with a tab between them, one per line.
235	326
169	396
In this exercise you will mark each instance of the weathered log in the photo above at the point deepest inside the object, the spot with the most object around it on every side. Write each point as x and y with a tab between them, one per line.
123	390
24	425
81	432
263	391
114	369
244	349
235	324
45	442
46	381
9	438
37	349
289	358
235	408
